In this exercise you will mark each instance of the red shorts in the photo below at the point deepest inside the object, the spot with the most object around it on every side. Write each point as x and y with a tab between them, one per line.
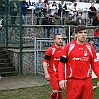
54	82
79	89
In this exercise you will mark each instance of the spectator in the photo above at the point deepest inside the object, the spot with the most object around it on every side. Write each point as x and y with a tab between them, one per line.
79	57
97	47
96	34
91	42
74	10
56	20
85	14
2	10
62	7
24	11
1	38
70	21
1	33
14	9
46	7
50	65
97	1
79	20
92	13
38	9
96	31
54	8
46	21
96	20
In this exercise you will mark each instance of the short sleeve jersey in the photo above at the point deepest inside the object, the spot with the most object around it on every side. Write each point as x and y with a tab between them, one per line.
54	53
80	58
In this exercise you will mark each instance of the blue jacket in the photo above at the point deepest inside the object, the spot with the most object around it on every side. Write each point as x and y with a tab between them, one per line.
24	9
38	7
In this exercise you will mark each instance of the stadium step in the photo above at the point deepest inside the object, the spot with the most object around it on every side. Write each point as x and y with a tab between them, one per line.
6	66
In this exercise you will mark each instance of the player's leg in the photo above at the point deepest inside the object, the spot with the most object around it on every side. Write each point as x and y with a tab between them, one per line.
73	89
56	94
56	91
87	92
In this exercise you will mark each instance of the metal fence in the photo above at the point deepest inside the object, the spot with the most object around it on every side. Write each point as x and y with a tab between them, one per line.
39	53
17	35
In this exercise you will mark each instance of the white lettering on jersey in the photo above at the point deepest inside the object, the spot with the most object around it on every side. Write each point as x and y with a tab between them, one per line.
76	58
80	58
89	48
53	50
71	47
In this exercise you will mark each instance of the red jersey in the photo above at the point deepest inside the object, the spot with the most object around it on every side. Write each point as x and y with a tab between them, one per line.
96	33
54	53
80	58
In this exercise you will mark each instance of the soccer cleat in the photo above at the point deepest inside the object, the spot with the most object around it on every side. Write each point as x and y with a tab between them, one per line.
94	87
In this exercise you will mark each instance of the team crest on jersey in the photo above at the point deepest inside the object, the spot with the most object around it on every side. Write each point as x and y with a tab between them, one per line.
85	53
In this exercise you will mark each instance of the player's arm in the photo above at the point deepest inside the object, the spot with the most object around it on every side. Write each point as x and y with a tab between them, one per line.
95	65
62	62
45	66
61	68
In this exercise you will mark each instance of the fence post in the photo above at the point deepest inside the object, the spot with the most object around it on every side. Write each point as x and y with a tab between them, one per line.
21	61
69	34
7	24
35	55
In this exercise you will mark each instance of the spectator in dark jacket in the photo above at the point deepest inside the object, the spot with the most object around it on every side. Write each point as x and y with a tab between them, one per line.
2	10
62	7
14	9
92	13
70	21
96	20
25	5
46	21
79	20
56	20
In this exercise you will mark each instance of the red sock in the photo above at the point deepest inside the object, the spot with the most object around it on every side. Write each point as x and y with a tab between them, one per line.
59	95
53	95
56	95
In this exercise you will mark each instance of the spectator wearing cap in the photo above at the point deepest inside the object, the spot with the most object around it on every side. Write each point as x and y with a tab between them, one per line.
54	8
70	21
45	22
56	20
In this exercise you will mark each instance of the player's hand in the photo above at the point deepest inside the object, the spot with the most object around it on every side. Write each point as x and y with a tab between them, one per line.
62	84
47	76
